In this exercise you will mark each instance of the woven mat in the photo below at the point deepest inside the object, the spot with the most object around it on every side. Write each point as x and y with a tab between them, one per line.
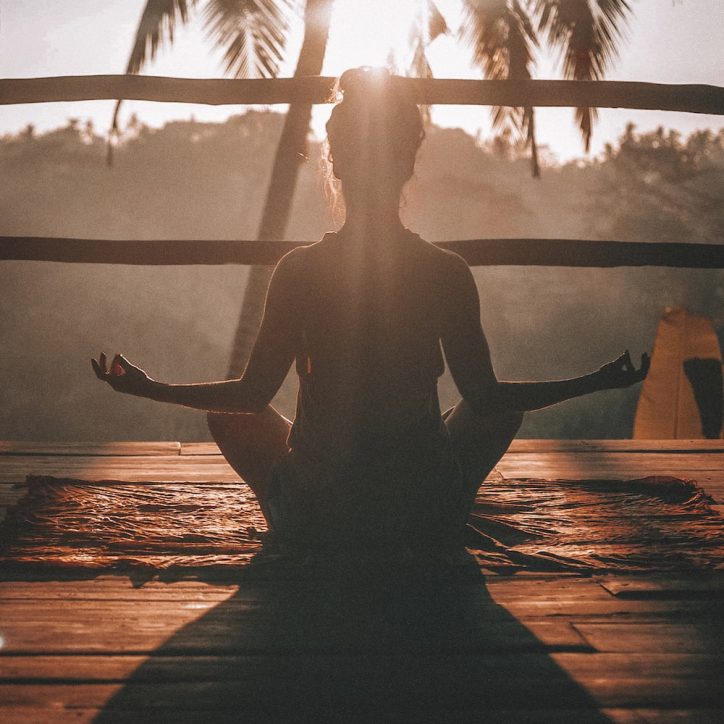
651	524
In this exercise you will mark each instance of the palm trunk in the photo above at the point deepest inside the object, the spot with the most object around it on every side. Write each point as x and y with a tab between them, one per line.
280	194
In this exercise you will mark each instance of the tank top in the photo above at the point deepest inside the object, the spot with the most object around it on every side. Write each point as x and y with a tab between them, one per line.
368	356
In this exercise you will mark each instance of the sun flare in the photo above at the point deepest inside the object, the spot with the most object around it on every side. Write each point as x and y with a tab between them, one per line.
369	33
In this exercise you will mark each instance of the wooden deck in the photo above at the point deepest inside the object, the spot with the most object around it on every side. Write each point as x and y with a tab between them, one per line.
529	647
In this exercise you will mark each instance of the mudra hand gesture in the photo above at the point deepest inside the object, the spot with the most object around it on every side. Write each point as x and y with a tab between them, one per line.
622	373
122	376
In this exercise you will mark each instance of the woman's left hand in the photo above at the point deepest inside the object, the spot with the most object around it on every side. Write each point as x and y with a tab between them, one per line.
122	376
622	373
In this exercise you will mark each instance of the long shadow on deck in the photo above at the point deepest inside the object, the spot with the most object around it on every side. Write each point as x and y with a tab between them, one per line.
358	650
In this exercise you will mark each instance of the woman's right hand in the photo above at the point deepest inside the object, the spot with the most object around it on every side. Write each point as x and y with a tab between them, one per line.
122	376
622	373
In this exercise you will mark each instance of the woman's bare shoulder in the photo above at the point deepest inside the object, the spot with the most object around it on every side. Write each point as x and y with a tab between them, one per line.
443	259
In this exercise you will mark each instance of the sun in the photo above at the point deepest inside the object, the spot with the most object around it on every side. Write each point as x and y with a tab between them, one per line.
373	32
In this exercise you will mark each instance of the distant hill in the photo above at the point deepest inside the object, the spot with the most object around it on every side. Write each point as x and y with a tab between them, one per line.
198	180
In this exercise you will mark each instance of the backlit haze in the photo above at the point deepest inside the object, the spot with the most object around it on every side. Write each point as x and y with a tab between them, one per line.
668	41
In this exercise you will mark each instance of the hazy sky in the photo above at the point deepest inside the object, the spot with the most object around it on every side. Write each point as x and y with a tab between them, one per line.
668	41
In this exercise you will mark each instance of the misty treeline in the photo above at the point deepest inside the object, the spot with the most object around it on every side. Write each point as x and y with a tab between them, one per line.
194	180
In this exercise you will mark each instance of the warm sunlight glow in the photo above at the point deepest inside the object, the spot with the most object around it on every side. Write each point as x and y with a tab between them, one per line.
369	33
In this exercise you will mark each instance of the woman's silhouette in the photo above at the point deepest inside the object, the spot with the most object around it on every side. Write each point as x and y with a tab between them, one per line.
366	314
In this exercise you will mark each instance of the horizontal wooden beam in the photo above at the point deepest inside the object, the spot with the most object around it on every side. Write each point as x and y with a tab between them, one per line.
477	252
317	89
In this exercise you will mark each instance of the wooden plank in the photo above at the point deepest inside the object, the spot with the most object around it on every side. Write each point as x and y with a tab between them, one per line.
119	588
545	587
522	445
615	460
477	252
116	448
80	715
256	634
77	715
653	715
618	467
199	448
668	586
678	446
670	637
130	468
149	469
218	668
623	446
691	98
442	693
16	614
623	610
199	461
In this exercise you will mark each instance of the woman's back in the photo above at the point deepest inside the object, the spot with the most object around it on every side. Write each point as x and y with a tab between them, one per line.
369	318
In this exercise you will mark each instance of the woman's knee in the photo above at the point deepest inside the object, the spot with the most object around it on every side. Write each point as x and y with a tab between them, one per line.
223	426
266	429
507	420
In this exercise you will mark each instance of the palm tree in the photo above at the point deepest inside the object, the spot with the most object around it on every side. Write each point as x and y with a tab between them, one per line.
503	35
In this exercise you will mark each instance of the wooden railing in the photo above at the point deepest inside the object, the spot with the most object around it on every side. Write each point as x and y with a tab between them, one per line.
477	252
314	89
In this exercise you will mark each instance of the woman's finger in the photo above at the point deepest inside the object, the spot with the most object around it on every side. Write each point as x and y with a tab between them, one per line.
627	364
102	362
117	366
97	369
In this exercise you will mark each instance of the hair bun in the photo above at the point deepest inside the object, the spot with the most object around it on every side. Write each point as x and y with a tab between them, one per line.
363	80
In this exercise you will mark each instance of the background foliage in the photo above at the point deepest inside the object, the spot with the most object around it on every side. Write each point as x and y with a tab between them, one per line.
193	180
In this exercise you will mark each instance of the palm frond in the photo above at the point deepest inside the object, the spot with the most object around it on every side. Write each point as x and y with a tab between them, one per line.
158	21
428	24
503	40
436	23
588	33
253	34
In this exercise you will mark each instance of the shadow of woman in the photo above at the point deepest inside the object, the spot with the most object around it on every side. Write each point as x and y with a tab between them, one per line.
358	648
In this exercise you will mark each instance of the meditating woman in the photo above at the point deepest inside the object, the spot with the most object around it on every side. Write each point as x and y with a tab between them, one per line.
366	315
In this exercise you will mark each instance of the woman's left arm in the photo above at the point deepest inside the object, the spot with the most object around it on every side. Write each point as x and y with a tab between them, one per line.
268	365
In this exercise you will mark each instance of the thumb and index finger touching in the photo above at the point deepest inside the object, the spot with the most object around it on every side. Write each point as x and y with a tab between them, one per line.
627	365
119	366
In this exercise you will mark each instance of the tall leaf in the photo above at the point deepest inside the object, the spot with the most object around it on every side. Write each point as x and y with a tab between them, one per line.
252	32
428	24
503	41
157	23
587	32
